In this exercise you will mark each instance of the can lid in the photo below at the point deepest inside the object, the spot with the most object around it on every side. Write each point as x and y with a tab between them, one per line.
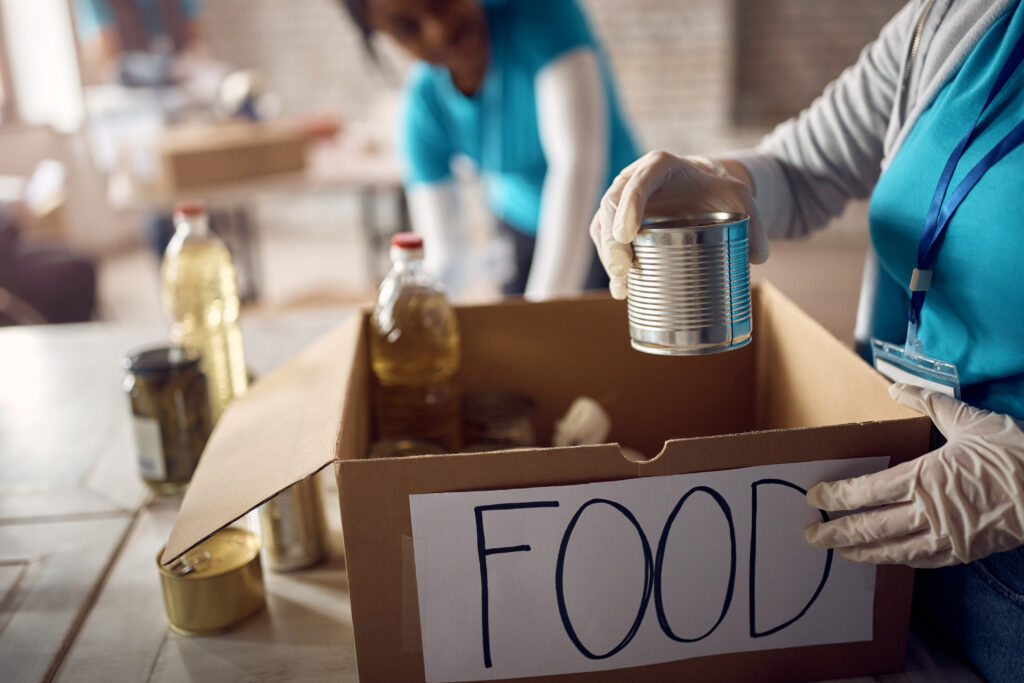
159	359
190	208
692	220
214	586
224	552
394	448
407	240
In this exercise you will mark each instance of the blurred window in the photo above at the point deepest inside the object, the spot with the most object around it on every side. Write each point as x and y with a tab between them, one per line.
6	101
40	73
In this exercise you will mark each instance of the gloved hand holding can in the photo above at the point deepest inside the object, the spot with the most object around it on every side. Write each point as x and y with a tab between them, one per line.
660	183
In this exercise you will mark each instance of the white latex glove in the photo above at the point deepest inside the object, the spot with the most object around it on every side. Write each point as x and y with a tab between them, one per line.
660	183
959	503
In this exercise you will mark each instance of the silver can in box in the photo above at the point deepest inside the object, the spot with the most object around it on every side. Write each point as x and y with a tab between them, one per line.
689	285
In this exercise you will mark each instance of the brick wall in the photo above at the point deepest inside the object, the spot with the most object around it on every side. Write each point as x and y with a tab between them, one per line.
687	71
786	50
694	75
310	52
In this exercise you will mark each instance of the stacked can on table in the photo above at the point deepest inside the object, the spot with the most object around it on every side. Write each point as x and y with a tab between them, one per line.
689	285
216	585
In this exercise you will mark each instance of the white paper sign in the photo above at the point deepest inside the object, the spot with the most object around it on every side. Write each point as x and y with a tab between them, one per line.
564	579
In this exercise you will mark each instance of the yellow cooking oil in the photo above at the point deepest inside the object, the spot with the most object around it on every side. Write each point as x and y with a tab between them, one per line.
414	351
201	294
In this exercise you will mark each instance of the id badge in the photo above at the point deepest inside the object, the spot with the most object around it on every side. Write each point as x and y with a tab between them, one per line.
909	365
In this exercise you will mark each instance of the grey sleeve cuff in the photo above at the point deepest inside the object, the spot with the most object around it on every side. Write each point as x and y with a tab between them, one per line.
771	190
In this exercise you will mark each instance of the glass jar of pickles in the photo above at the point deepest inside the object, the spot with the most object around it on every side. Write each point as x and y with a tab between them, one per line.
170	407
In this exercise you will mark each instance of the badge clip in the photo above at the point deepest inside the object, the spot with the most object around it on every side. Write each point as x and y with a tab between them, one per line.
909	364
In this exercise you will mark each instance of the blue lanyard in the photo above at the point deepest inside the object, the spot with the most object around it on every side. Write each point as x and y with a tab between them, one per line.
939	214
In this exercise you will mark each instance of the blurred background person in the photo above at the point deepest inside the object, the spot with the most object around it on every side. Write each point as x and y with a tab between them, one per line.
155	70
698	76
136	41
522	88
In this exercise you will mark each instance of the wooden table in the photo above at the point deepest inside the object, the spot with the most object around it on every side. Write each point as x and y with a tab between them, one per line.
79	590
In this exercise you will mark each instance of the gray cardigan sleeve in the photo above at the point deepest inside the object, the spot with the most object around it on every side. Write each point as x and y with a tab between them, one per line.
807	169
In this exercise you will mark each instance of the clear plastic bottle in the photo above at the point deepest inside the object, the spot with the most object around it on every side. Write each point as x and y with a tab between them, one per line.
201	293
414	349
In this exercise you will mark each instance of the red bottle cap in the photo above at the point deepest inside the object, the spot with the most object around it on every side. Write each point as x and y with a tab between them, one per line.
407	240
190	209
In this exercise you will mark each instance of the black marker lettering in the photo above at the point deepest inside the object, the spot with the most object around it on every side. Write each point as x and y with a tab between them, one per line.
483	551
660	560
754	633
559	580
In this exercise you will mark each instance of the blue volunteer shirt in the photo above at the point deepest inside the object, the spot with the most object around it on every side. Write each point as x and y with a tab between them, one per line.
973	314
92	16
497	126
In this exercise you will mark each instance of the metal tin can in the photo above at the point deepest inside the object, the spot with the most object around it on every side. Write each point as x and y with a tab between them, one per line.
689	285
292	527
214	586
170	407
499	420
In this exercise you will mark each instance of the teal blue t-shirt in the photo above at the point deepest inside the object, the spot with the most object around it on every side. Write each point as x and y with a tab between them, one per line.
91	16
973	314
497	126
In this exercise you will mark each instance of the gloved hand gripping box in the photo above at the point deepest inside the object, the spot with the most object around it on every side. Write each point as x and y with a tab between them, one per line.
578	563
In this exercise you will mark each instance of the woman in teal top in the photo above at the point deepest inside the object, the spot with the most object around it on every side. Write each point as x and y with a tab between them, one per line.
973	316
929	121
522	90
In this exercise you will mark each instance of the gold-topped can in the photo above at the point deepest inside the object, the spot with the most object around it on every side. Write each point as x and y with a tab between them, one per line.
216	585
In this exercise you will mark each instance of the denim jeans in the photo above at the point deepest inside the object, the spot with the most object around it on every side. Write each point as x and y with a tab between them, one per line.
979	609
524	245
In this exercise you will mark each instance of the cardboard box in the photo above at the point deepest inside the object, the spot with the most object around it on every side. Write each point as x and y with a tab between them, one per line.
794	394
197	156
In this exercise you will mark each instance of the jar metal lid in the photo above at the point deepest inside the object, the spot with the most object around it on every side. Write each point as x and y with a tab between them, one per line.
161	359
394	448
494	409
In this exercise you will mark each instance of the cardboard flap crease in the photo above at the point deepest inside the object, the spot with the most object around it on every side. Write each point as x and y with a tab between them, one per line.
284	430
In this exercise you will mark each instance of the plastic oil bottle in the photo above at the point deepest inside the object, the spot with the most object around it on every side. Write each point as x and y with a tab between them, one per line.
414	349
201	294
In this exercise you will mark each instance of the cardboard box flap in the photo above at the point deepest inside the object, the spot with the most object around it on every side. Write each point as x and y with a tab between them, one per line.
202	137
284	430
808	378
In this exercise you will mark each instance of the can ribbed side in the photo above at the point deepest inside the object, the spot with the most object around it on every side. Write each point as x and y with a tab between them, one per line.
689	289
